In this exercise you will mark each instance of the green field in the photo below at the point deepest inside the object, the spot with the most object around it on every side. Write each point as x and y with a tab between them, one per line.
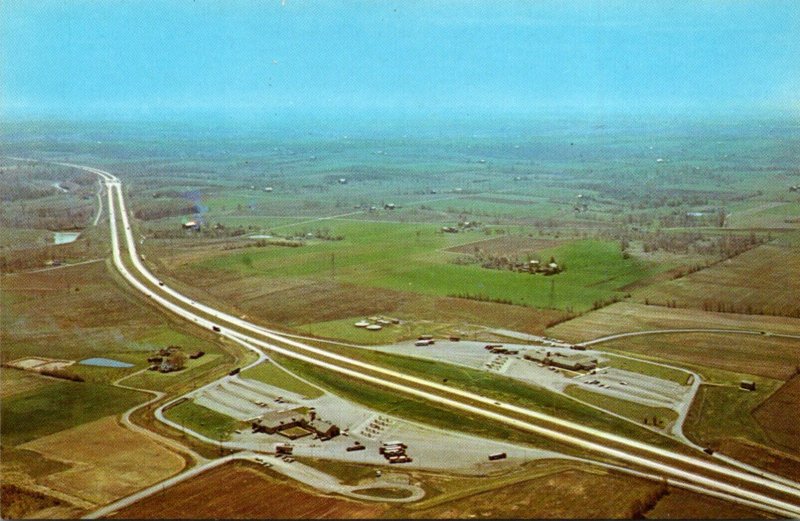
269	373
721	412
203	420
368	256
59	406
657	371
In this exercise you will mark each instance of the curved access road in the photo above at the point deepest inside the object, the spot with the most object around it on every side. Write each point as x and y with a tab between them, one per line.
616	336
737	486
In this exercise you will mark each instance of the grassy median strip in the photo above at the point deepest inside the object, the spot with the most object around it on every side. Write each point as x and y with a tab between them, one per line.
502	388
271	374
409	408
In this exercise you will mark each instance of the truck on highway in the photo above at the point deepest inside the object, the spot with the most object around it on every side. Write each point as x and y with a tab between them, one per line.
426	342
497	456
216	328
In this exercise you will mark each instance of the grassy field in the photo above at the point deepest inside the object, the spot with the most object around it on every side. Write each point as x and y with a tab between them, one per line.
203	420
562	494
242	490
368	257
766	356
682	504
329	308
657	371
760	281
771	415
106	460
17	503
721	412
633	410
15	381
268	372
58	406
767	215
626	317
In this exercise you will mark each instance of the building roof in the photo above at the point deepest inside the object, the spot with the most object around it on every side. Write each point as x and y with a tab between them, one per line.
321	425
278	418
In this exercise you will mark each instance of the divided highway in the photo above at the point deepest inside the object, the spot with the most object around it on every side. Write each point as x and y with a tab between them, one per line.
695	473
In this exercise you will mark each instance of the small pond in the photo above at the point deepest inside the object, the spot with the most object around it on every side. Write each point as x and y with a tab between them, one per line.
104	362
65	237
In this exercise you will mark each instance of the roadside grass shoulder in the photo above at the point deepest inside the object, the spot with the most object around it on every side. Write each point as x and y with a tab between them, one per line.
635	411
269	373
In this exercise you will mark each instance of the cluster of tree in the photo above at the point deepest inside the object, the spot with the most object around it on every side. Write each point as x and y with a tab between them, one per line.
597	304
64	375
263	243
37	257
520	265
24	191
685	219
724	246
481	298
208	232
167	208
50	218
750	309
323	234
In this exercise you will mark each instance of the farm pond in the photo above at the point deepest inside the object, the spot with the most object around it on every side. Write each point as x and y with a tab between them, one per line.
104	362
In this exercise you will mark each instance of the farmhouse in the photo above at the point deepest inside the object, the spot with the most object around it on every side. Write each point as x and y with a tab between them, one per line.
191	225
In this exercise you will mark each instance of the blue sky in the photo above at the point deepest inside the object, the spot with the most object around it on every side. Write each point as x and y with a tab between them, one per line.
74	57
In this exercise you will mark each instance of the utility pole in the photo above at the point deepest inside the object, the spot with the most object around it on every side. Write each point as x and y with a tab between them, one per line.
333	265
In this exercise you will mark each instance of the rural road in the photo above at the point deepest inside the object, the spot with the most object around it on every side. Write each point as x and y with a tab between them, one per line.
689	330
157	395
682	468
295	470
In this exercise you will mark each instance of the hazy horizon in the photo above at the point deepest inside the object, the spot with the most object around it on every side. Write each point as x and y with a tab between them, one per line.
240	60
